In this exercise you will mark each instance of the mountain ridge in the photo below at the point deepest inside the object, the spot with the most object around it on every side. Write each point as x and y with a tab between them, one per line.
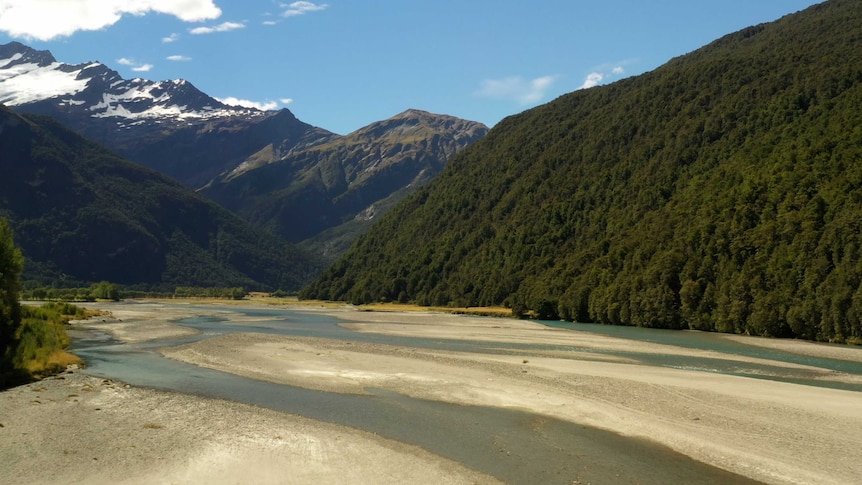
222	151
102	89
81	214
343	179
153	123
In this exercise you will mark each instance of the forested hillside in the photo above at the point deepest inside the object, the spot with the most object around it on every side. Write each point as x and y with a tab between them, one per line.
82	214
722	191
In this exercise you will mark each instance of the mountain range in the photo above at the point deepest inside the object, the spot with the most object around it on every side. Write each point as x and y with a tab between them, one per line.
145	121
277	171
333	190
721	192
81	214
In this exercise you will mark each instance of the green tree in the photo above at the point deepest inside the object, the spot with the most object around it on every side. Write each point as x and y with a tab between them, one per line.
105	290
11	263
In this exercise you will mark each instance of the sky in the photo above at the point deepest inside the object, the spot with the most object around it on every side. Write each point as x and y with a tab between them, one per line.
342	64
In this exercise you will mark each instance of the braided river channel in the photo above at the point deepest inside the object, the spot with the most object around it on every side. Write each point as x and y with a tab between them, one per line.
513	445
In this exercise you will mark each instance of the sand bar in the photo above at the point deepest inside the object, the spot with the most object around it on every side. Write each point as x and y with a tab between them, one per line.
75	428
771	431
139	321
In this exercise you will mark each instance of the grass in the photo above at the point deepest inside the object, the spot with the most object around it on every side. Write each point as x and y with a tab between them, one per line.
388	307
42	339
405	307
264	298
55	362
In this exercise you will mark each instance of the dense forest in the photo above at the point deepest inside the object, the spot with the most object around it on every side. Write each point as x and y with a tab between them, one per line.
721	192
81	215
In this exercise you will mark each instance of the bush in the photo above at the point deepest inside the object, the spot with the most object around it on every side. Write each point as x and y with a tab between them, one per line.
41	338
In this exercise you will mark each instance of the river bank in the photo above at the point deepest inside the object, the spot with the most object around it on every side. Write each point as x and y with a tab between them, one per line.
73	428
775	432
80	428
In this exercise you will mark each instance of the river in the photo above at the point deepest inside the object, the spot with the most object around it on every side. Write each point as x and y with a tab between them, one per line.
514	446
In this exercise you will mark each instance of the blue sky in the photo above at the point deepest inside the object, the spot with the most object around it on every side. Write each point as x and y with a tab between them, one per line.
341	64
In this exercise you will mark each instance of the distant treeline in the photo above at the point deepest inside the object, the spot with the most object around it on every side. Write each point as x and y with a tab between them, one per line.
110	291
200	292
99	291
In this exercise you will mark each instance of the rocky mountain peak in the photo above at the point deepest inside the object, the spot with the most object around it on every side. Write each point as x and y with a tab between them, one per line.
35	82
15	53
418	123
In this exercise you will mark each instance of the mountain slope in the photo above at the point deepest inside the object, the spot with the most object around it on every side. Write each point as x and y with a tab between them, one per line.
302	182
170	126
343	179
722	191
82	214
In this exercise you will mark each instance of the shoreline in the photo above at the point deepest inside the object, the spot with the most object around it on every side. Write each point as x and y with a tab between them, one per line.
76	428
791	433
694	413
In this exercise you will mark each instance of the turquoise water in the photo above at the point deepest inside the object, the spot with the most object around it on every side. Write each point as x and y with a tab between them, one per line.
716	342
516	447
297	323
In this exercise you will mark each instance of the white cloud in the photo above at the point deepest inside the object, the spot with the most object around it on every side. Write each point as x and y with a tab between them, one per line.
48	19
517	88
285	100
136	66
171	38
222	27
245	103
302	8
593	79
601	74
178	58
270	22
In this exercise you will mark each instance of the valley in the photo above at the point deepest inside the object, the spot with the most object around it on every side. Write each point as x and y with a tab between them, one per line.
681	251
297	181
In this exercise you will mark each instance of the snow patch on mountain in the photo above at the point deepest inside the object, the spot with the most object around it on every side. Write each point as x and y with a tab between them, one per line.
28	77
28	83
6	62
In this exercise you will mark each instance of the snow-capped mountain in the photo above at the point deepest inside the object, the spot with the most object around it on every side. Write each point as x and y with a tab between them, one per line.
295	179
170	126
35	79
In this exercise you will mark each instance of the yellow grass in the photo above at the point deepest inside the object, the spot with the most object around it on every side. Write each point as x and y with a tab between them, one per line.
56	362
264	298
404	307
91	312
